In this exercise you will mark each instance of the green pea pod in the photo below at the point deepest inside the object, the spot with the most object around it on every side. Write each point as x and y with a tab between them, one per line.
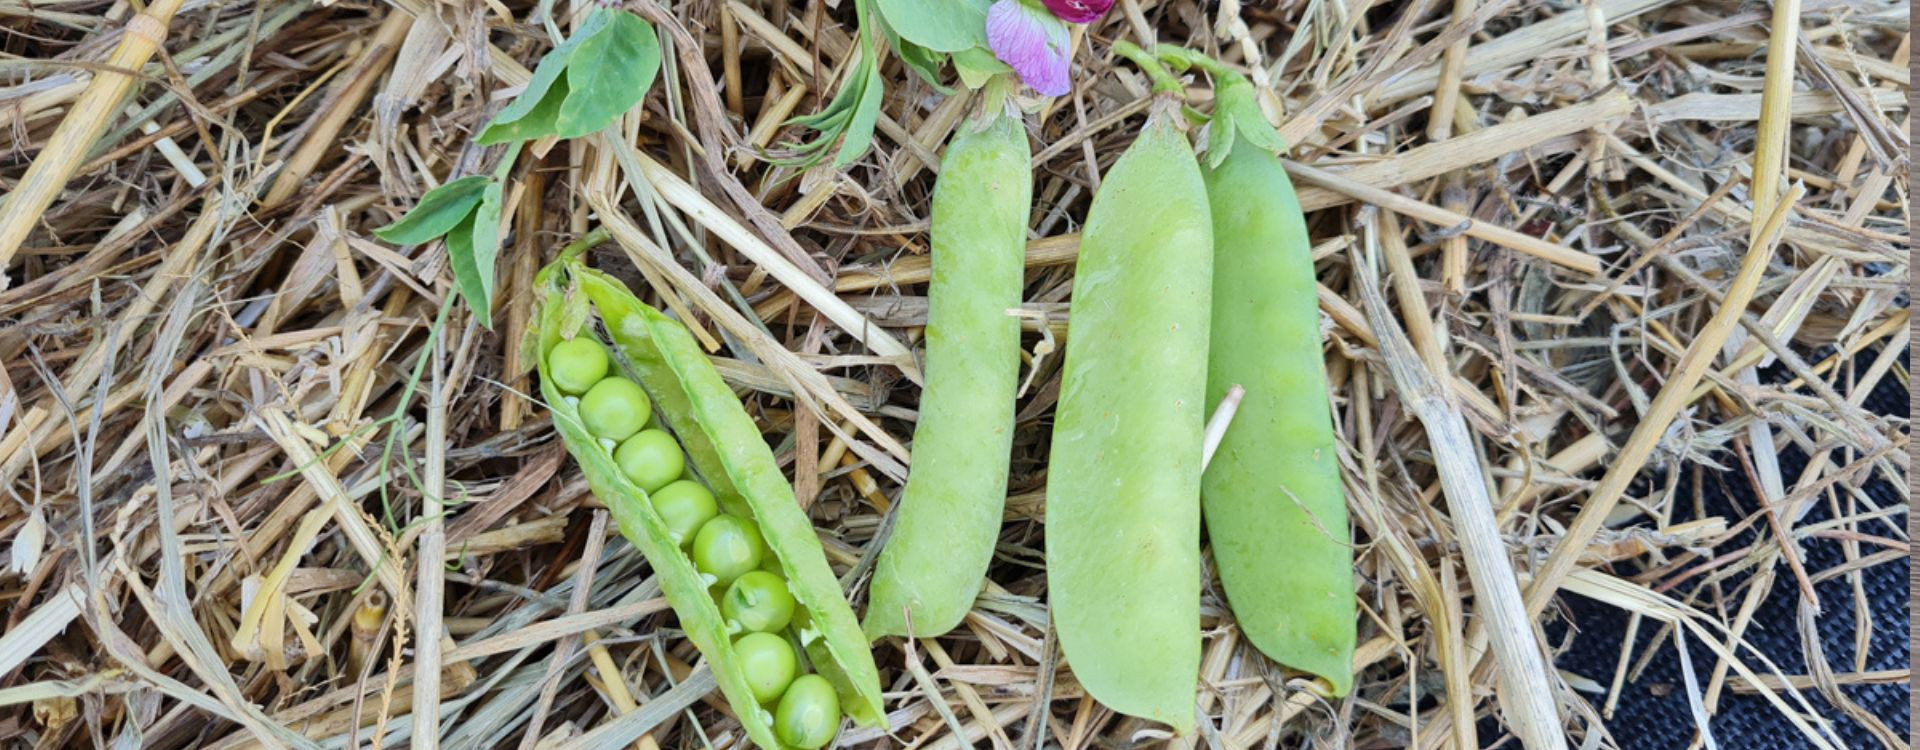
726	450
1275	510
1123	508
949	516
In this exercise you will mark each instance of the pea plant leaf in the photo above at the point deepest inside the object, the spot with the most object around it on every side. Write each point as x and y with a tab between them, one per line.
852	113
437	213
922	61
977	65
608	74
472	251
938	25
460	257
833	122
865	116
533	112
539	122
839	109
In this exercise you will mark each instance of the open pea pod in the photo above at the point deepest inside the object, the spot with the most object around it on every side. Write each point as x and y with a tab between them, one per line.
725	449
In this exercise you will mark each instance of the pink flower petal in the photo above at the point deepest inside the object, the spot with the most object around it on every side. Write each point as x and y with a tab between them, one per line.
1078	11
1032	42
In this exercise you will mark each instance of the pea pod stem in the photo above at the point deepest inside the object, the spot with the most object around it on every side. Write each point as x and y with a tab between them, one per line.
1183	58
586	242
1163	81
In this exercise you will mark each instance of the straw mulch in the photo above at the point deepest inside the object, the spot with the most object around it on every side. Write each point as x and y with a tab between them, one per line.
223	401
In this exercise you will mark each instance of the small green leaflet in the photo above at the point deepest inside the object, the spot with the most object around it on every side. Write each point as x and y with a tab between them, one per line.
467	212
460	256
865	116
608	74
469	218
837	119
1236	113
475	272
535	95
976	65
938	25
853	112
585	83
540	121
437	213
922	61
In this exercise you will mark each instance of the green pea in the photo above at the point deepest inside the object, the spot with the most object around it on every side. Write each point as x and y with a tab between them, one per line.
576	364
685	506
770	663
727	547
949	517
615	408
651	459
808	714
1123	510
1275	510
758	601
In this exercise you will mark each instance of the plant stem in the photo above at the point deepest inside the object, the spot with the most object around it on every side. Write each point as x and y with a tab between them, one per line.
1183	58
586	241
1163	80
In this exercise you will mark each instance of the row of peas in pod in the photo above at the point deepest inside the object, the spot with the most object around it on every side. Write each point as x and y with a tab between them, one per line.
726	549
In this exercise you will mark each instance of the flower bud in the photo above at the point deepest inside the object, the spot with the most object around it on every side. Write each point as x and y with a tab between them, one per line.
1078	11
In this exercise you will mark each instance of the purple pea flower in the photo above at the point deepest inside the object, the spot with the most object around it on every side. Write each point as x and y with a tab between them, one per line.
1078	11
1033	42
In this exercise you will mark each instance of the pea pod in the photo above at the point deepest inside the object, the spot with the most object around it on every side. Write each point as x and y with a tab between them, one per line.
725	449
949	516
1275	511
1123	509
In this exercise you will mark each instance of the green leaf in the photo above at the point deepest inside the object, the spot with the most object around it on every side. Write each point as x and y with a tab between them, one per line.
534	98
460	257
976	65
540	122
852	113
832	122
440	210
865	116
608	74
472	248
921	60
938	25
838	109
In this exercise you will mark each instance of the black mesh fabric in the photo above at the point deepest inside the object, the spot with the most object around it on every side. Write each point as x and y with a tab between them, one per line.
1654	710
